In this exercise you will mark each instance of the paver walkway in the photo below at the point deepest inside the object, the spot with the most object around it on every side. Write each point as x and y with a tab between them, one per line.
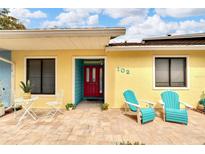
89	125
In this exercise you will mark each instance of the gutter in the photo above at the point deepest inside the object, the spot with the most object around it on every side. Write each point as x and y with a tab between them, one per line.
154	48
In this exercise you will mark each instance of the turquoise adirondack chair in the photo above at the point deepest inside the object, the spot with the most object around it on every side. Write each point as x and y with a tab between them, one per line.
171	107
147	114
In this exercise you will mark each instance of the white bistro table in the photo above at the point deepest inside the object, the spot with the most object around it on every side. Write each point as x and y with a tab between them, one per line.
26	105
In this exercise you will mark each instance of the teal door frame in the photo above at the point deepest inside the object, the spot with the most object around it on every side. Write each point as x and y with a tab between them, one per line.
88	58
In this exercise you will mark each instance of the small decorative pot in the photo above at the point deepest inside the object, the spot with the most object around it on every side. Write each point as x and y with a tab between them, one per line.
27	95
70	108
2	111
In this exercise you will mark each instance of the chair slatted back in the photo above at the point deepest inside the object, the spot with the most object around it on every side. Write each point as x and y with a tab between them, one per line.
129	96
171	99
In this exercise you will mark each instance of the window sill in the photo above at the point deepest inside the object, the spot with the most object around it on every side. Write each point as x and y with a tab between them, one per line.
44	95
171	88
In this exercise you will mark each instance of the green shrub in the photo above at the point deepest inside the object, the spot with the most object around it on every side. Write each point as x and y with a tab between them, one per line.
70	105
105	106
202	100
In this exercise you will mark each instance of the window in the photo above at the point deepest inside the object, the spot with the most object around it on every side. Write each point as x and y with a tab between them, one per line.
87	74
41	73
94	75
170	72
101	80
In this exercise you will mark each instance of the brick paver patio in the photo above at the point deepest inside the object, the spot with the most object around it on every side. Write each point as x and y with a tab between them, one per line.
89	125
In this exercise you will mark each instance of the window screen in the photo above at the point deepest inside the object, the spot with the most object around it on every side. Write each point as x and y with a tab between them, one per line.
170	72
41	73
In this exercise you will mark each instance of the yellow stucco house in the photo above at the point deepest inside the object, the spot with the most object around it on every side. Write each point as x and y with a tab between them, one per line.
83	64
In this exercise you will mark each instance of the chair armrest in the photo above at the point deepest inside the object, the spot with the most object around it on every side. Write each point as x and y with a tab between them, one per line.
161	102
147	102
186	105
136	105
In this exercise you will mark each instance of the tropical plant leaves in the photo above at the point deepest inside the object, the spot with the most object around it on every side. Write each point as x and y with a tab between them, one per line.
26	87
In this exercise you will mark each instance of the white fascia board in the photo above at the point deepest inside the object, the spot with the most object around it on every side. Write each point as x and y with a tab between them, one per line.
109	32
155	48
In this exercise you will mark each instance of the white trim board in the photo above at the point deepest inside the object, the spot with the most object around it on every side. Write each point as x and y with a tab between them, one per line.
73	74
6	60
174	88
42	57
72	32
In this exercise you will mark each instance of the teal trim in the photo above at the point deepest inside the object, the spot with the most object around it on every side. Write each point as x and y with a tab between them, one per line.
148	114
78	81
5	78
93	62
173	112
92	65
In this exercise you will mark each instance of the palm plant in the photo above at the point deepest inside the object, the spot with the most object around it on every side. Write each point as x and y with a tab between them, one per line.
26	87
1	104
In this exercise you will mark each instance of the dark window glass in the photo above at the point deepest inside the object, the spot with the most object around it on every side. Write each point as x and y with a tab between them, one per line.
162	72
41	73
170	72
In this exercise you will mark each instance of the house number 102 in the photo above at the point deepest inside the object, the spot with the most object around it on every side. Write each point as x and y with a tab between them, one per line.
123	70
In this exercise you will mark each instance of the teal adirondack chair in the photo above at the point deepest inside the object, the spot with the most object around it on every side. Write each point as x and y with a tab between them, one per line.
171	106
147	114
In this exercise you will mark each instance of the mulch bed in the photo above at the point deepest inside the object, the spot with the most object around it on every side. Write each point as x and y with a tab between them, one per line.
11	110
200	111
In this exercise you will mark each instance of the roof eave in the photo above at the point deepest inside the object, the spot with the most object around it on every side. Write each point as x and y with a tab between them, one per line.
109	32
155	48
185	36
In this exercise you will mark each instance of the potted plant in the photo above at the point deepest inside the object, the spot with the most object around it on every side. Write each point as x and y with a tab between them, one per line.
70	106
26	87
104	106
201	105
2	110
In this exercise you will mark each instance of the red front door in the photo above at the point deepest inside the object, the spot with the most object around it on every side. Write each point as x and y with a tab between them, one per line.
93	81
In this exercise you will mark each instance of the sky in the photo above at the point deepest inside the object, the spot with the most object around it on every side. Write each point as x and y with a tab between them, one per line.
139	23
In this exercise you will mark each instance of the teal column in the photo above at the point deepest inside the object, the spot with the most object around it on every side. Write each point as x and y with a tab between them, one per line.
78	81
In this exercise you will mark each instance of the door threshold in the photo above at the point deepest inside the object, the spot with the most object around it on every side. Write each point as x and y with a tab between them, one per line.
93	98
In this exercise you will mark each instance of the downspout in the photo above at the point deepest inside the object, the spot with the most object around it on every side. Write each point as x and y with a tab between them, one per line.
12	79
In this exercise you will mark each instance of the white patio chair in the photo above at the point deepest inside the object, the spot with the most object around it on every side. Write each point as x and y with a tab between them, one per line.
56	105
26	107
